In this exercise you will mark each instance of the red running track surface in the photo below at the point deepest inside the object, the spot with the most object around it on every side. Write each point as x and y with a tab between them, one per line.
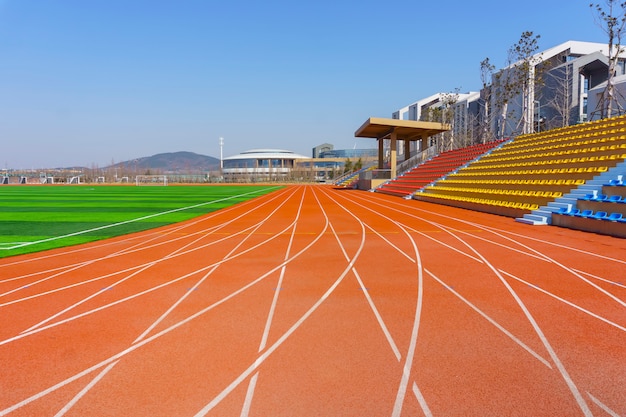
313	301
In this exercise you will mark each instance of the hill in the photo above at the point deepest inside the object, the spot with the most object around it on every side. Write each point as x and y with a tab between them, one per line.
177	162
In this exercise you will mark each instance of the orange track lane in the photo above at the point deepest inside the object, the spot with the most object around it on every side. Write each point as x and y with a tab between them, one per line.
314	301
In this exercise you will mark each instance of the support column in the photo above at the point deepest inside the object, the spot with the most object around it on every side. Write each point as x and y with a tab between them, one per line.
393	151
381	153
407	149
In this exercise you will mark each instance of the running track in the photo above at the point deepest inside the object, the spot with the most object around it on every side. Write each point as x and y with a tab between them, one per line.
313	301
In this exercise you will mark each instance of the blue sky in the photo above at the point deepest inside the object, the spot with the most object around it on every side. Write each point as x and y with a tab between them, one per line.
91	82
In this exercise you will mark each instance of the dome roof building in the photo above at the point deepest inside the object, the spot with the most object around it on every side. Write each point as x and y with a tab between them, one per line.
260	165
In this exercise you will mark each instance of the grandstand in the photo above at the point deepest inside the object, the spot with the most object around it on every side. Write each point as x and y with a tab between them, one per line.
535	175
431	170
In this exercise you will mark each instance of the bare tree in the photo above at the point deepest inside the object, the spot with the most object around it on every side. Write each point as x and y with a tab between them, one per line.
559	100
612	21
443	113
518	79
485	120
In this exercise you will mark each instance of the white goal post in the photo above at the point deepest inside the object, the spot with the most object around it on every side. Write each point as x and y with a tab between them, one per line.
151	180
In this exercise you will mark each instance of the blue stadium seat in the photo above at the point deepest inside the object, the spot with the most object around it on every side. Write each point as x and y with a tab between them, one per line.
600	215
572	212
614	198
614	217
584	213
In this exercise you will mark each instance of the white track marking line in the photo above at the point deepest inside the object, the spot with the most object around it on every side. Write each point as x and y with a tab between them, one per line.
480	312
569	303
85	390
603	406
379	318
547	242
529	254
421	400
157	335
235	383
534	251
270	316
561	368
143	335
403	210
555	359
268	323
410	354
95	229
490	320
608	281
406	255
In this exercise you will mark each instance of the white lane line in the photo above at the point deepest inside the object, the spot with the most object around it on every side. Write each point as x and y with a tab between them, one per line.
421	400
403	210
511	248
555	359
379	318
558	245
410	355
406	255
569	303
608	281
490	320
245	411
143	335
85	390
235	383
408	362
268	323
107	226
444	244
159	334
603	406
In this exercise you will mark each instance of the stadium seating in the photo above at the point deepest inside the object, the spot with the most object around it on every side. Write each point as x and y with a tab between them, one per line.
538	174
433	169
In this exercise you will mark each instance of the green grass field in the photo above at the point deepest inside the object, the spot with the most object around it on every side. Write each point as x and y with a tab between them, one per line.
35	218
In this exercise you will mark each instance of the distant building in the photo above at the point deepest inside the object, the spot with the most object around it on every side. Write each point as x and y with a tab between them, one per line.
260	165
350	153
320	149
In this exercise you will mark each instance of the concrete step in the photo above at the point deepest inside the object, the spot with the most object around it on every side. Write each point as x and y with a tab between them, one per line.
556	205
532	218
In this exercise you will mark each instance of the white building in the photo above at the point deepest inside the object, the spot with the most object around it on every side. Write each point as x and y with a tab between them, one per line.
572	82
260	164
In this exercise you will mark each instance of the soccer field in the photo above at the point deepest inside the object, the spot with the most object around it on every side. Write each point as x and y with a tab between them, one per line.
35	218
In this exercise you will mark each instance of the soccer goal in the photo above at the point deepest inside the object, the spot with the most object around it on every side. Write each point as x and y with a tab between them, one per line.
151	180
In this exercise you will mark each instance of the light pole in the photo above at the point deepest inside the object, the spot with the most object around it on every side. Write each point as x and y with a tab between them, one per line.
221	153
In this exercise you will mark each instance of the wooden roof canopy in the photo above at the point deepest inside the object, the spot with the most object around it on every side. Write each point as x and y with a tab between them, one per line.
376	127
